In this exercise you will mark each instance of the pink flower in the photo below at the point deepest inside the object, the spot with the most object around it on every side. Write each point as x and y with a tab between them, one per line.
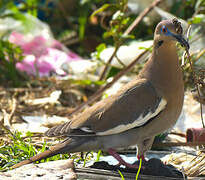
33	67
41	57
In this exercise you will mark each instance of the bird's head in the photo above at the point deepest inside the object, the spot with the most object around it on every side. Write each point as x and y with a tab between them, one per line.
169	31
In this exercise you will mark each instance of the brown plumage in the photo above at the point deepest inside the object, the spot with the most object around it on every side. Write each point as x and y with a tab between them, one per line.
145	107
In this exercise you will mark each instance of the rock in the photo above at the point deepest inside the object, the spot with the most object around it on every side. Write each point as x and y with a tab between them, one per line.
61	169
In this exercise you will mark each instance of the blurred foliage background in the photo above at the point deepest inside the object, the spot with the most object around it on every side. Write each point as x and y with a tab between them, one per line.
71	18
73	24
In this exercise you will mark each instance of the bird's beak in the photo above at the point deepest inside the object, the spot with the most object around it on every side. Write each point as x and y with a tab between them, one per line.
181	40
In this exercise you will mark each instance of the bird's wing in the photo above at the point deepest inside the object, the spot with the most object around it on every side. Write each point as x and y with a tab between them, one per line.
133	106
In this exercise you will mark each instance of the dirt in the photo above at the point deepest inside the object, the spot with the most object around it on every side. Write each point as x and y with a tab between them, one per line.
154	167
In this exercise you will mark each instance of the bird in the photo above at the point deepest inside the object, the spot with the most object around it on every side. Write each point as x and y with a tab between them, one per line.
143	108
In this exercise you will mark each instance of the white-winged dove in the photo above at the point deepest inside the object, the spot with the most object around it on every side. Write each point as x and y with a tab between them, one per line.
145	107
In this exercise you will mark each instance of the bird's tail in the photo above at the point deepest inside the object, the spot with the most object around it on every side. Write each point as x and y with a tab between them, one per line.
38	157
87	143
54	150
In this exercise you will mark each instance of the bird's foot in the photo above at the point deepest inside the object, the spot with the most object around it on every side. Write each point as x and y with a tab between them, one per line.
121	161
141	157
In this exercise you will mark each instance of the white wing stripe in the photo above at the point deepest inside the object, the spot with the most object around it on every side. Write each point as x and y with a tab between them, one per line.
138	122
86	129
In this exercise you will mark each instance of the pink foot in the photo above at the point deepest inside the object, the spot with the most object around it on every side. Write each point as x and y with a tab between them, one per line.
121	161
141	157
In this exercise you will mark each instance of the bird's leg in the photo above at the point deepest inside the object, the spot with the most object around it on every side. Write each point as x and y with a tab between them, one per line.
141	157
120	160
142	147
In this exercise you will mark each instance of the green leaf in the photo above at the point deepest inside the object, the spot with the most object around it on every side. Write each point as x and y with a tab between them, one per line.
107	34
199	18
87	82
128	36
10	54
117	15
121	175
113	71
140	166
101	9
82	23
98	155
100	48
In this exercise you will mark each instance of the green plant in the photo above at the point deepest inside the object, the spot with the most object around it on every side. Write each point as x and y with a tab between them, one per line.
116	30
140	166
121	175
10	54
118	23
88	156
21	148
98	155
198	15
14	9
18	150
17	9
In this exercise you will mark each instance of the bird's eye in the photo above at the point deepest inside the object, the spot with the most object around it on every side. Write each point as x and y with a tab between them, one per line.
164	29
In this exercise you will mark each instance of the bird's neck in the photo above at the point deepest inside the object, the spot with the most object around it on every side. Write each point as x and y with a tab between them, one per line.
163	68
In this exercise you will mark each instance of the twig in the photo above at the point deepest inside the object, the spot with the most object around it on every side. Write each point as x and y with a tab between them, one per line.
188	33
141	16
200	54
102	76
129	29
70	42
102	20
120	62
33	136
196	84
178	134
194	75
102	89
14	105
6	122
21	89
3	126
